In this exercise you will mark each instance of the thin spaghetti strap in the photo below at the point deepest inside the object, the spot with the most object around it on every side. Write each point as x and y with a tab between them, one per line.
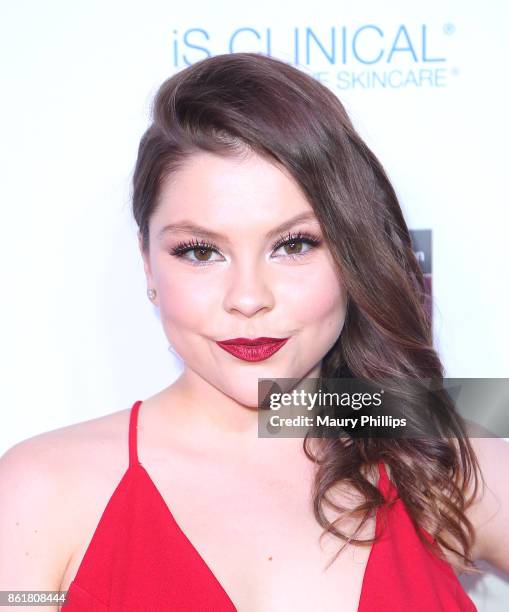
133	429
386	486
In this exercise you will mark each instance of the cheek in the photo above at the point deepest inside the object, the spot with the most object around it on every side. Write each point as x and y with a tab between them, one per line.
319	298
311	298
186	301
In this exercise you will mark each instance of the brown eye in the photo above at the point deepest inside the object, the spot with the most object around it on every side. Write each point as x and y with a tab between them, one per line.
195	252
294	247
202	254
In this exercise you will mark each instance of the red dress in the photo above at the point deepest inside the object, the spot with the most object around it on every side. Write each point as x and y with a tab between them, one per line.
140	560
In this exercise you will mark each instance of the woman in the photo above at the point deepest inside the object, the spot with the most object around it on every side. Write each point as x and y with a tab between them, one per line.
263	218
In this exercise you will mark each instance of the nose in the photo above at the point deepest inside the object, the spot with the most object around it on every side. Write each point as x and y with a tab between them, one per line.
248	288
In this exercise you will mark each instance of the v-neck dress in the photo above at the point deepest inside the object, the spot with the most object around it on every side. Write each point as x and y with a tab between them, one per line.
139	559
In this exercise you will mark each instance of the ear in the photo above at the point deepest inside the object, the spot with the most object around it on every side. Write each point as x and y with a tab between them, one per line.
146	261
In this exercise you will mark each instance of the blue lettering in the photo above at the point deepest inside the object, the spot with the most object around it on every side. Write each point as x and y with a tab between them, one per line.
343	81
426	75
354	44
376	77
343	44
191	46
357	78
310	33
440	77
411	79
424	58
238	31
409	47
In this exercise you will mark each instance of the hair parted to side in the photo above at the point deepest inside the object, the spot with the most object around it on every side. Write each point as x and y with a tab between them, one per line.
239	103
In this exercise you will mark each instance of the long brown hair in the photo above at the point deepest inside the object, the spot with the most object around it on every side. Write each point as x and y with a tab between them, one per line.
230	103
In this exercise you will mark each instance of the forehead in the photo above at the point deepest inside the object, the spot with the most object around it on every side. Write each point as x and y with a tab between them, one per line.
210	188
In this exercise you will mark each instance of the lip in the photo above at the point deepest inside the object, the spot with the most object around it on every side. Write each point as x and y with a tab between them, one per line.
252	349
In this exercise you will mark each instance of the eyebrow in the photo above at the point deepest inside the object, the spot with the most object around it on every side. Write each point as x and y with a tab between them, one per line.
188	226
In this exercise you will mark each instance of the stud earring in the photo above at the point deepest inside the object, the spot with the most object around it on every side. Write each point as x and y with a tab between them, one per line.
151	293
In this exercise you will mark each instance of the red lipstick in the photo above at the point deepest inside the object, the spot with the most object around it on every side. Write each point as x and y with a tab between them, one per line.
252	349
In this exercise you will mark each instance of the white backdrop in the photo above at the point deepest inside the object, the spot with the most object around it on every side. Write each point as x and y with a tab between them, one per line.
79	337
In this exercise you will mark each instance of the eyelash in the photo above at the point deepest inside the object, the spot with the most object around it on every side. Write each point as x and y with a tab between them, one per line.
185	247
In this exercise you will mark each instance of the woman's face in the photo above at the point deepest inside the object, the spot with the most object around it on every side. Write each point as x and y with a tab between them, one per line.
241	282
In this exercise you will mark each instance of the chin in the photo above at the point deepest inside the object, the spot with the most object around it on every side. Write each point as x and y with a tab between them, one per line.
247	398
246	387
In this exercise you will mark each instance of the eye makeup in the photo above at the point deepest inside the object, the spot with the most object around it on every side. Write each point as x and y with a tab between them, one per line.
204	246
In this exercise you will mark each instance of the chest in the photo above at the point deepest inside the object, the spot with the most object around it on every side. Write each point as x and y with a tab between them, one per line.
257	534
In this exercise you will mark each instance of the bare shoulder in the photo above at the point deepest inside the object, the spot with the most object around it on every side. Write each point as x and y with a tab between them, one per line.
489	509
58	454
47	483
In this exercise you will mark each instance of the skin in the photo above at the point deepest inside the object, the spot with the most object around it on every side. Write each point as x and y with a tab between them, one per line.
245	289
203	427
